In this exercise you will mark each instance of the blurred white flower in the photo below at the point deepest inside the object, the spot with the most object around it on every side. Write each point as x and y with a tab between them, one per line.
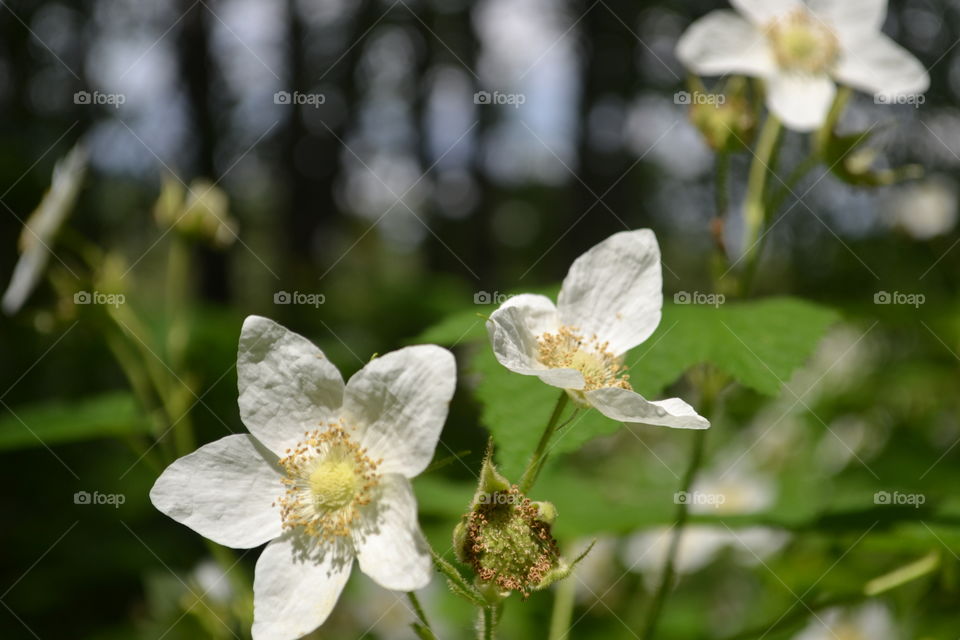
609	303
924	209
324	476
733	492
871	621
594	574
40	229
799	49
213	581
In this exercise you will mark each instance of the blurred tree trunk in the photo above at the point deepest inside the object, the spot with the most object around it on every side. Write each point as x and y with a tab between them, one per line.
608	72
470	237
196	69
310	158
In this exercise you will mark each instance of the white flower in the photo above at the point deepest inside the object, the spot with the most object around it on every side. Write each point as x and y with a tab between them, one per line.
609	303
924	209
42	226
736	491
799	49
324	474
871	621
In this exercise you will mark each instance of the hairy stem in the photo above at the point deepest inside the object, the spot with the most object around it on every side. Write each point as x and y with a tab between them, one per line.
540	453
563	596
755	212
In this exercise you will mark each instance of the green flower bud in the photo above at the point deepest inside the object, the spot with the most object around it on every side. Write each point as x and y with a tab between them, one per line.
200	213
727	120
506	538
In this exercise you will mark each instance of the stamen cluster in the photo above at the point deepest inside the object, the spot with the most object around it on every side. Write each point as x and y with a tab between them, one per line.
328	478
803	43
567	349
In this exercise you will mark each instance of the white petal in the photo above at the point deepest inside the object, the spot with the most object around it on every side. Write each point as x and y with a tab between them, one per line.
287	386
880	66
801	101
399	403
722	42
628	406
224	491
851	19
513	329
390	547
26	275
615	290
761	12
294	592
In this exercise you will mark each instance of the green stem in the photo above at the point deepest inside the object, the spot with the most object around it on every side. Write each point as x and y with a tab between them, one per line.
420	613
563	598
489	616
755	213
540	453
666	578
823	135
178	282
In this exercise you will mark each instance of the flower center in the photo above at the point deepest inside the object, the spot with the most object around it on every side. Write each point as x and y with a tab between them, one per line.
328	477
801	42
566	349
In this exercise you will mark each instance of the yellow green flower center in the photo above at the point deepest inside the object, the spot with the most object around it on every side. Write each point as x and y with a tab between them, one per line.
801	42
328	478
567	349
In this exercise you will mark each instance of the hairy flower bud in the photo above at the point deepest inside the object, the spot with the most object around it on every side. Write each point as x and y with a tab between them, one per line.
506	538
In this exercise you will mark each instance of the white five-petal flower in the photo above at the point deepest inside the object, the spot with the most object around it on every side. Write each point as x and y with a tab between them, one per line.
323	475
609	303
800	49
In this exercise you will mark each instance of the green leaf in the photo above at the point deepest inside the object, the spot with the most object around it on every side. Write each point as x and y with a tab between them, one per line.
463	326
760	343
51	423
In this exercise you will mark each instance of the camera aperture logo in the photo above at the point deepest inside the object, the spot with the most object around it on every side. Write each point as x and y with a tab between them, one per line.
310	99
899	499
698	498
497	97
697	297
96	297
914	300
112	499
312	299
